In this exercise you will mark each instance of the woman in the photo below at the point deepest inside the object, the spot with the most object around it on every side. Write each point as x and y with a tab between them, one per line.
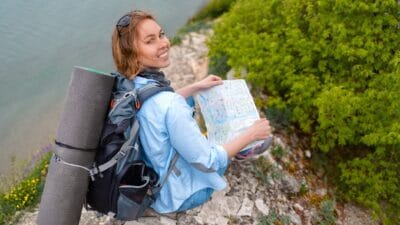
140	48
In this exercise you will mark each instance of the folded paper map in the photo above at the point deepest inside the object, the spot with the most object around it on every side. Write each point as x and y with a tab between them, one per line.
228	110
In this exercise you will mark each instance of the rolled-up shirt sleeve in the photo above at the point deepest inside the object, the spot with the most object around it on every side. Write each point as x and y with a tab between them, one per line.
189	142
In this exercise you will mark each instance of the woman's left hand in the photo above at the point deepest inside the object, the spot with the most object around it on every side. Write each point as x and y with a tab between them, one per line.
208	82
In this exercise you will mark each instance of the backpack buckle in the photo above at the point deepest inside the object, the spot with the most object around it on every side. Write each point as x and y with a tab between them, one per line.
94	171
137	104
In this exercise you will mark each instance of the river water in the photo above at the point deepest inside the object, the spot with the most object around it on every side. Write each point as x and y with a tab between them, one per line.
40	42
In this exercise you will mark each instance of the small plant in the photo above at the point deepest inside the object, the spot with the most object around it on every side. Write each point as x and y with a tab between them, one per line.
278	152
14	175
315	199
276	173
327	213
233	220
263	167
274	218
303	188
266	171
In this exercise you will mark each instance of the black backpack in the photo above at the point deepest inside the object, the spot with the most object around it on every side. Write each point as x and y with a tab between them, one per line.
121	184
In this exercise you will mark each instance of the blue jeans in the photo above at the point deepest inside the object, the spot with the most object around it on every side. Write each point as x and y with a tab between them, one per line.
199	197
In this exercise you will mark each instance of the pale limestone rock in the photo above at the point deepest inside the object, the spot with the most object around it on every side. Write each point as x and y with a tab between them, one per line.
246	208
198	219
148	221
133	223
232	205
261	206
167	221
295	219
298	207
220	204
213	218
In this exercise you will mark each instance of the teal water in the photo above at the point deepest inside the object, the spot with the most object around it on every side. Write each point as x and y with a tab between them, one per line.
40	42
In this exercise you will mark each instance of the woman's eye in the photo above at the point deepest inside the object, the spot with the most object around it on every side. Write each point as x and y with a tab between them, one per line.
150	41
162	34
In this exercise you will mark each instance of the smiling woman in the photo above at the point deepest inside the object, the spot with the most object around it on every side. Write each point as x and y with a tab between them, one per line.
138	42
167	128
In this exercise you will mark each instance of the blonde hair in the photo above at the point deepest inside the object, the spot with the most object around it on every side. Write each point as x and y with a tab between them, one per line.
123	48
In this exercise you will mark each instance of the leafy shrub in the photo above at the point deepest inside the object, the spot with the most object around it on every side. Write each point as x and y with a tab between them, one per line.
334	68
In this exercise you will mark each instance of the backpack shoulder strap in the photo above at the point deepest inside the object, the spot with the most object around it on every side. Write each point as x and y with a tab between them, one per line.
142	95
149	90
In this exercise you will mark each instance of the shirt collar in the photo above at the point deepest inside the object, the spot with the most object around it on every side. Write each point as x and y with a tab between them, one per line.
142	80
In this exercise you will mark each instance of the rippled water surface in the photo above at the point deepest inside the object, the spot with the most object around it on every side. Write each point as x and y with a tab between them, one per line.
40	42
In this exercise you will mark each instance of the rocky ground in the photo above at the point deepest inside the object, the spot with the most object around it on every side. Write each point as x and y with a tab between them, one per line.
277	188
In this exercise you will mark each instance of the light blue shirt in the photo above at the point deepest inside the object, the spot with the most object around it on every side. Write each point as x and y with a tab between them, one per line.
167	127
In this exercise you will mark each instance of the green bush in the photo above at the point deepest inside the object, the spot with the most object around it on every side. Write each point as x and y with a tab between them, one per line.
334	67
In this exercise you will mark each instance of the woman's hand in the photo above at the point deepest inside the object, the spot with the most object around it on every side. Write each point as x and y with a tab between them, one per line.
260	130
208	82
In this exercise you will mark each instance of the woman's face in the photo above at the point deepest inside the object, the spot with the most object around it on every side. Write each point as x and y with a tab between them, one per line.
152	45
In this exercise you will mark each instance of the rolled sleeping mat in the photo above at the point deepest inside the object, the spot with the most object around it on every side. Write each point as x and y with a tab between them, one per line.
77	138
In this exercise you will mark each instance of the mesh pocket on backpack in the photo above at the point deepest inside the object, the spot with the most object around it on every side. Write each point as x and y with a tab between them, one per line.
133	199
131	210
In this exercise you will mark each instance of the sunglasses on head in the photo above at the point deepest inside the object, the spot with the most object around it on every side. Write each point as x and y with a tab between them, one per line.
124	21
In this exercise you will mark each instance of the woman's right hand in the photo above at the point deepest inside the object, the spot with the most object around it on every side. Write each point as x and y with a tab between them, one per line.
260	130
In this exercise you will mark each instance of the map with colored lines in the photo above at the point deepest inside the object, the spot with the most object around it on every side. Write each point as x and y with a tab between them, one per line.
228	110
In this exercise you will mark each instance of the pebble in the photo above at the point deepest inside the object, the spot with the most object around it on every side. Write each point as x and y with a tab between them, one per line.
298	207
308	154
